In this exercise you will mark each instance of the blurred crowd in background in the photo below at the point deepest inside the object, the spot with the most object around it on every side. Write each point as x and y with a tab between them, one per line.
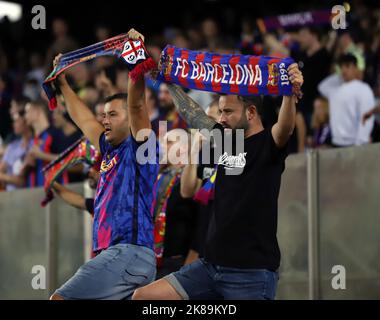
341	70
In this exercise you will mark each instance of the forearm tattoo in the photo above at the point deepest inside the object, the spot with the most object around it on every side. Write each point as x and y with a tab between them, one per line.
189	110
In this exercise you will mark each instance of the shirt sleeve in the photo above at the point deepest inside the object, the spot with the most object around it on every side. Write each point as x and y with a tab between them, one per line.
328	85
7	155
365	104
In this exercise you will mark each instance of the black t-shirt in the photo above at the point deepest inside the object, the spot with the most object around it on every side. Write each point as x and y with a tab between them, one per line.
243	226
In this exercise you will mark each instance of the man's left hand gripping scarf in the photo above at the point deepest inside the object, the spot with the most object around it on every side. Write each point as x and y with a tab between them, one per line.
133	53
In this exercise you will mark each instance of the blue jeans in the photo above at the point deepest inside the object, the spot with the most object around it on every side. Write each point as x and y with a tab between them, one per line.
202	280
113	274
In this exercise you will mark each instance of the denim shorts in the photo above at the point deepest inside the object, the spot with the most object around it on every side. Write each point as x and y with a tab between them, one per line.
202	280
113	274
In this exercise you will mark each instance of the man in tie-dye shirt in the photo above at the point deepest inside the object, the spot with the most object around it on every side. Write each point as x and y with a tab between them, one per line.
123	226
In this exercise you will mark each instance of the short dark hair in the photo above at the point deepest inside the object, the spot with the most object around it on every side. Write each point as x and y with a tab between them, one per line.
120	96
257	101
346	59
21	101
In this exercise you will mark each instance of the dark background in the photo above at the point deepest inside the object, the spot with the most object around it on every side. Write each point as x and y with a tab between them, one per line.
148	16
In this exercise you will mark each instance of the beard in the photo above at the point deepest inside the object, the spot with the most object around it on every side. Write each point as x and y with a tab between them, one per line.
242	124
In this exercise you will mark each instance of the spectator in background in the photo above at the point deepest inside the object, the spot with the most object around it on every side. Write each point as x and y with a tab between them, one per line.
320	124
90	95
81	76
5	98
194	177
315	63
99	111
46	144
102	32
37	71
18	105
175	217
12	162
195	37
31	89
168	111
210	32
347	45
2	150
349	99
63	42
152	107
105	81
69	134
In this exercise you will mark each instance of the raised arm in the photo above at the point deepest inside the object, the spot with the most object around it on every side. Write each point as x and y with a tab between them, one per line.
78	111
18	181
328	85
286	122
189	110
190	183
137	110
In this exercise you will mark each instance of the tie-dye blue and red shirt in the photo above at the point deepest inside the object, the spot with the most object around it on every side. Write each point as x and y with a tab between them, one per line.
124	194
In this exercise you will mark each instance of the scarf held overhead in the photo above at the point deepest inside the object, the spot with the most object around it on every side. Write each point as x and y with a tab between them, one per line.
226	73
132	52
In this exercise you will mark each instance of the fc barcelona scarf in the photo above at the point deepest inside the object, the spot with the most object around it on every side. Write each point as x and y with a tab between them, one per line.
226	73
80	151
133	53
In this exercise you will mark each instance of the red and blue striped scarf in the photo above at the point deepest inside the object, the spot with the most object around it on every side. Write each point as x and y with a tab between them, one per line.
226	73
80	151
162	191
133	52
206	193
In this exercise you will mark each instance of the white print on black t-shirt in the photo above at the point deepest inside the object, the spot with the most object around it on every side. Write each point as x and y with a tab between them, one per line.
232	162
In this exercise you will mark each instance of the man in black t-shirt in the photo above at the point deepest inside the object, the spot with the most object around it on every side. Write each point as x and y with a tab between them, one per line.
241	255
